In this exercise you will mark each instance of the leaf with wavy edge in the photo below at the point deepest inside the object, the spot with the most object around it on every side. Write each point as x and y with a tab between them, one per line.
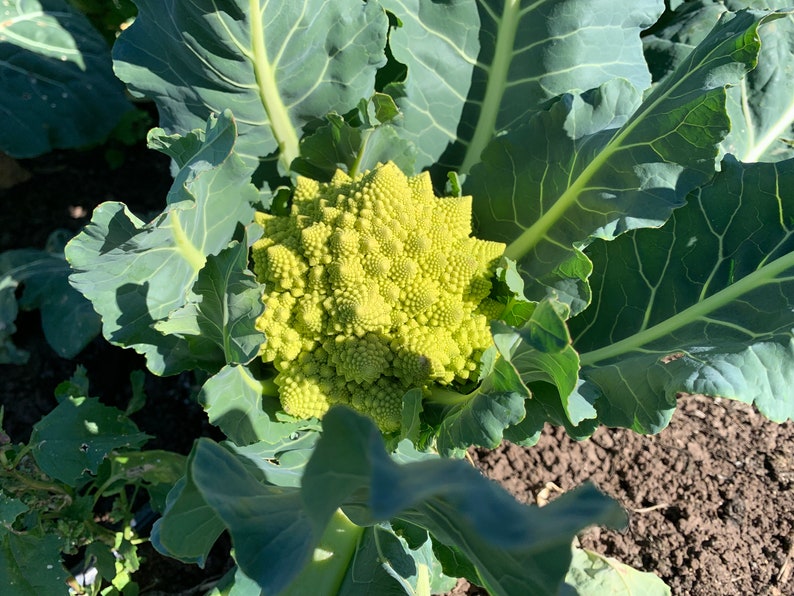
274	529
278	65
701	306
534	51
586	169
761	106
137	273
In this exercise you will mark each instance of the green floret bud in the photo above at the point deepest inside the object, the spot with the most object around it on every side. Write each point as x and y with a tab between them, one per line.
373	286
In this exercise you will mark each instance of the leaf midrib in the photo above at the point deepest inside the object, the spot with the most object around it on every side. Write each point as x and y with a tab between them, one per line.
753	281
277	114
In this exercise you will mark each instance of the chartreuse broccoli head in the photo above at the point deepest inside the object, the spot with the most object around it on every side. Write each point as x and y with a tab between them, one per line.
373	286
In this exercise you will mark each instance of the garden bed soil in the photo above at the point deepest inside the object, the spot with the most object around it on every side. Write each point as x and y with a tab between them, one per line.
710	499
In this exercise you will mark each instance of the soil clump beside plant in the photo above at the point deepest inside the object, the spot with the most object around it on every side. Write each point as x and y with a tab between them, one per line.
710	499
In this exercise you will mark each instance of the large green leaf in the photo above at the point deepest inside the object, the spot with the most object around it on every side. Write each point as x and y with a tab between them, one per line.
279	65
761	106
532	52
58	89
138	273
272	535
598	164
703	305
516	549
438	43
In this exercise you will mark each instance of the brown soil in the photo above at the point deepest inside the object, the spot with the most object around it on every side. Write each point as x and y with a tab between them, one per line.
710	498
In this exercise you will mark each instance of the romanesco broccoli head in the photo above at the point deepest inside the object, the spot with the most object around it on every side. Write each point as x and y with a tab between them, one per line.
373	286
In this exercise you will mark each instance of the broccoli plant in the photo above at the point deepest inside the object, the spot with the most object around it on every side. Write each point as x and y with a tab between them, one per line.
399	229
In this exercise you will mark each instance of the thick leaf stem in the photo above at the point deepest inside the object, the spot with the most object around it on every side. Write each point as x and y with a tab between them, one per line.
497	81
772	136
277	113
761	277
325	573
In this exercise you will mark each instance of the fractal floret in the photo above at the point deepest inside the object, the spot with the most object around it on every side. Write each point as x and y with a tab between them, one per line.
373	286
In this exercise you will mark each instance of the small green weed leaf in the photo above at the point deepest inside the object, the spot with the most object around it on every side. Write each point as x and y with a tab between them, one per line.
234	403
592	574
152	466
78	434
137	273
68	319
278	65
601	163
516	549
438	43
31	565
58	87
76	386
701	306
189	526
10	509
272	535
101	556
220	315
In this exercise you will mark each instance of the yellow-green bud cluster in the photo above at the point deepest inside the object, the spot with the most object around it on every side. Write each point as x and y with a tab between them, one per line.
373	286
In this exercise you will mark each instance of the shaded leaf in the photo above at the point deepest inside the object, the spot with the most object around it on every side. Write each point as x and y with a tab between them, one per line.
234	403
189	526
77	436
517	549
58	89
68	319
275	529
31	565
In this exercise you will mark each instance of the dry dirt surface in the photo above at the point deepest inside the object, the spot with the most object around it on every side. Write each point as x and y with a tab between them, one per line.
710	499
